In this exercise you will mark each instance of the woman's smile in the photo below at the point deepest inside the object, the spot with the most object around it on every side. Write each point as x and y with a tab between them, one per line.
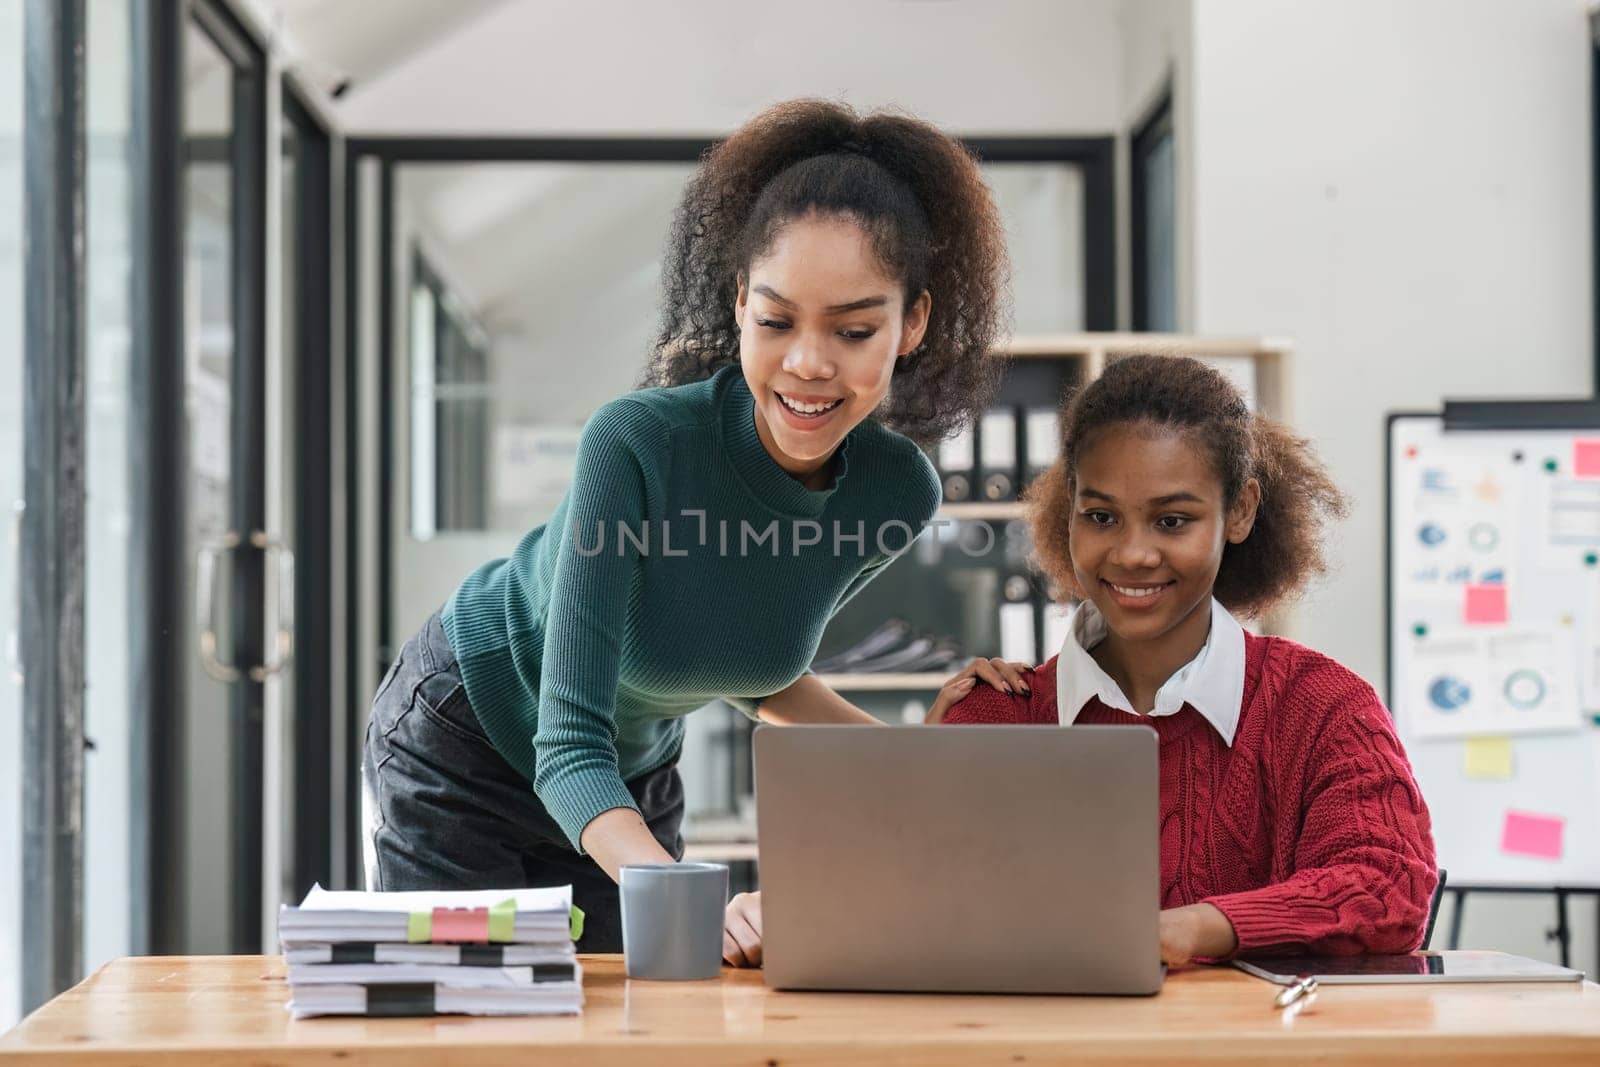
805	412
1136	596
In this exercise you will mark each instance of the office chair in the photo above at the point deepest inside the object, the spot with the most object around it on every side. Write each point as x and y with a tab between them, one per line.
1433	909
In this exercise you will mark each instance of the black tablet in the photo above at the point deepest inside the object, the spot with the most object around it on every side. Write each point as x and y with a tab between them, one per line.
1415	967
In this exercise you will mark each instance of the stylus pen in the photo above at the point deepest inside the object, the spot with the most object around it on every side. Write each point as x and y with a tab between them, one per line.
1303	987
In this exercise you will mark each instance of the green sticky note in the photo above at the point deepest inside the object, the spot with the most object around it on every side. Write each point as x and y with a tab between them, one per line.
419	927
503	920
1487	758
577	922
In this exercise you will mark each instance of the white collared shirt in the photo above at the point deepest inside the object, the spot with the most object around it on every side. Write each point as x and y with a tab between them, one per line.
1212	683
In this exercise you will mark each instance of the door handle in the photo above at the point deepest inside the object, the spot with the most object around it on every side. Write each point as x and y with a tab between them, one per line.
281	629
205	581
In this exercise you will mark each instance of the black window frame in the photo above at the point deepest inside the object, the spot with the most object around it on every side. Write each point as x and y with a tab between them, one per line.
1157	124
311	347
51	575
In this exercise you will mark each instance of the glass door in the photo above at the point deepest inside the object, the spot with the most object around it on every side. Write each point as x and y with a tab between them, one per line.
224	529
114	807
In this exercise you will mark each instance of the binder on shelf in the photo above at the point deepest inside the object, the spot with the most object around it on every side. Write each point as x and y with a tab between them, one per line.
997	441
1057	618
1017	636
1041	440
957	460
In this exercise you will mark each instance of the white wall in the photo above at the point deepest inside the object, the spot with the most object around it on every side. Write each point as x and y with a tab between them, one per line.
613	66
1402	189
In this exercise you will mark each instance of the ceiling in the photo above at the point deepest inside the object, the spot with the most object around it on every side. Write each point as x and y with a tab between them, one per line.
353	42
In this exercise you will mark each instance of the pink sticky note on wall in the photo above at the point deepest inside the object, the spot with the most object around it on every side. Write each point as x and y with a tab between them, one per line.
1485	603
1586	458
1527	834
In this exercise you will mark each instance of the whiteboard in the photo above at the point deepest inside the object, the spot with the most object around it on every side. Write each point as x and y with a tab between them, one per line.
1494	643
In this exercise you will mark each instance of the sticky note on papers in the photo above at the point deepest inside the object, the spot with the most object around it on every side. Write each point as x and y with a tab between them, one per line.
1487	757
1485	603
1529	834
1586	457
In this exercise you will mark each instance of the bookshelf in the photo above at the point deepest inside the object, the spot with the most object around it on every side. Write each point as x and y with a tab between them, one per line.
886	682
1268	356
979	509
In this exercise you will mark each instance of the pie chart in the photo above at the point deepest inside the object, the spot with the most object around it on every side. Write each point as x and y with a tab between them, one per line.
1525	689
1448	693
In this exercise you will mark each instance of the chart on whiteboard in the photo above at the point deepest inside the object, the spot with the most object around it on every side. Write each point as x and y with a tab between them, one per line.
1466	682
1496	583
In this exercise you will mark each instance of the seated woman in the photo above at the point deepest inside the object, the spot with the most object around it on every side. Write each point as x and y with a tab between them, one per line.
1290	820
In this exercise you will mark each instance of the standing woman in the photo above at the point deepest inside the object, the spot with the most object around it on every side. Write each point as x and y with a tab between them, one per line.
834	285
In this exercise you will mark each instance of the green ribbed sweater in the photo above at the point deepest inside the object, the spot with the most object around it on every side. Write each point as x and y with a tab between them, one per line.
580	657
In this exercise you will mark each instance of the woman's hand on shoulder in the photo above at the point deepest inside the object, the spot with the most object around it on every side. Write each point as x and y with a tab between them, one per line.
741	930
1007	676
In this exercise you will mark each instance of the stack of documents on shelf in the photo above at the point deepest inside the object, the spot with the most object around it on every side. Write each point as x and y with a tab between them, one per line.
484	952
894	646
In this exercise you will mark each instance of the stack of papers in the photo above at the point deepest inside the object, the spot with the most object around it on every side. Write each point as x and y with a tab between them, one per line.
484	952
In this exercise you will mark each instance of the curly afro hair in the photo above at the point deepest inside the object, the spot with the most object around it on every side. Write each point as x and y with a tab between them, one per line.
923	202
1284	550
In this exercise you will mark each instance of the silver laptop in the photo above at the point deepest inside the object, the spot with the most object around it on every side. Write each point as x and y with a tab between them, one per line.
970	859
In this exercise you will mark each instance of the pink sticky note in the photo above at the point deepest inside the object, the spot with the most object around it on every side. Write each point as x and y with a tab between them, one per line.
461	924
1586	458
1486	603
1527	834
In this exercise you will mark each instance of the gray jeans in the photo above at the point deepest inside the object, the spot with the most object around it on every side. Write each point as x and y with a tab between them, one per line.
444	810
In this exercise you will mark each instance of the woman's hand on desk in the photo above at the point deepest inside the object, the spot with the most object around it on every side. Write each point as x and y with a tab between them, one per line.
741	931
1004	675
1199	930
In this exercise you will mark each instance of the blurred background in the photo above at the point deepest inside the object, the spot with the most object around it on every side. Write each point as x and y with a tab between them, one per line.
302	305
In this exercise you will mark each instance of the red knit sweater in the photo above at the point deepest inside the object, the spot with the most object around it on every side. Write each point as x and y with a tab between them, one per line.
1309	834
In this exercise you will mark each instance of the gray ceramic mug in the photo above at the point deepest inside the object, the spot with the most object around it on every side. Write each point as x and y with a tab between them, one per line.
672	919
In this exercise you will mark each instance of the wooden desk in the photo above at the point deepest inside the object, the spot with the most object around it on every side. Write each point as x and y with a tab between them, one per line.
230	1010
